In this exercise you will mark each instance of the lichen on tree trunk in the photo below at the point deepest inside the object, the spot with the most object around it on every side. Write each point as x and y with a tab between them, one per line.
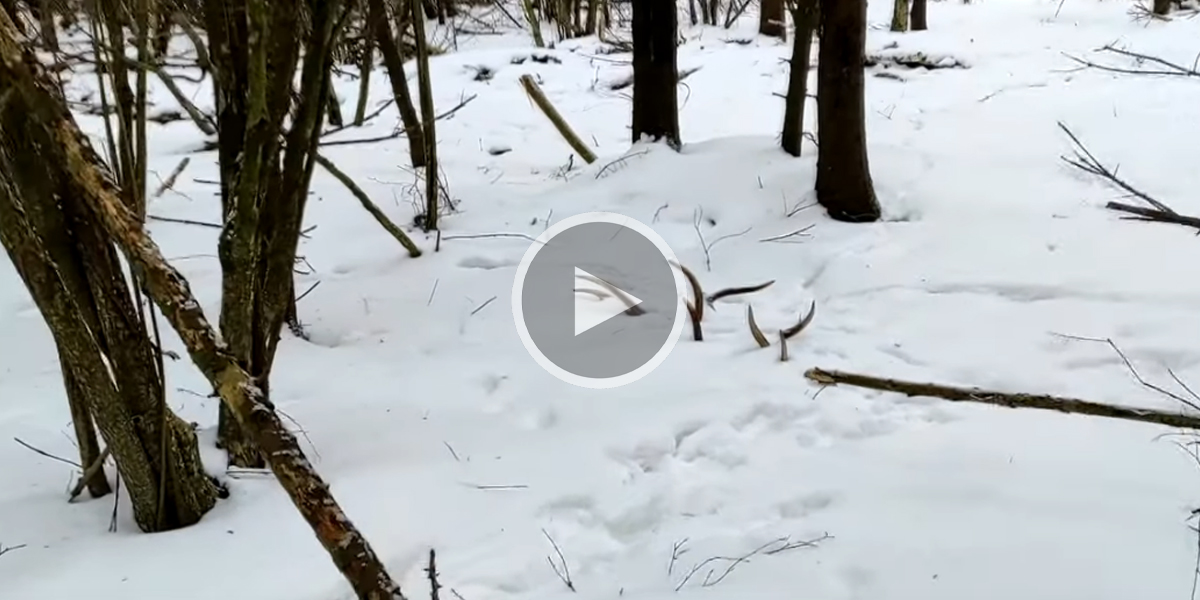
265	170
72	272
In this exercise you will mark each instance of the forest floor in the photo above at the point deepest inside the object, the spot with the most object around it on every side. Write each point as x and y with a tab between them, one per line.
437	429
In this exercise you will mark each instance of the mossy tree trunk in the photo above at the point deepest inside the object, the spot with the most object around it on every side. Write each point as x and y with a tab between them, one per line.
393	62
72	271
28	91
265	169
899	15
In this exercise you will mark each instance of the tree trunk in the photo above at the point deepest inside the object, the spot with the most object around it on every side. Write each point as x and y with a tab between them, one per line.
772	19
29	93
10	7
919	22
899	15
1162	7
655	76
394	63
85	432
844	184
265	173
425	86
804	14
74	276
48	27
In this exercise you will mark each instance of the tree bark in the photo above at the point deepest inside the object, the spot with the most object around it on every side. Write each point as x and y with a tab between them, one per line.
393	61
844	185
27	90
918	17
655	75
899	15
74	276
265	171
1162	7
804	14
428	120
772	19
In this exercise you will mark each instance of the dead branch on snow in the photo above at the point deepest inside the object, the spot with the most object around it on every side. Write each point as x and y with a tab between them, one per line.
1085	161
1011	400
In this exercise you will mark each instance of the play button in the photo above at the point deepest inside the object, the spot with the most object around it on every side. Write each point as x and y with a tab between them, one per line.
596	300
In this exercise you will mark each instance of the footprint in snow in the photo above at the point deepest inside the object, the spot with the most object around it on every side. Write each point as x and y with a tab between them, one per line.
486	263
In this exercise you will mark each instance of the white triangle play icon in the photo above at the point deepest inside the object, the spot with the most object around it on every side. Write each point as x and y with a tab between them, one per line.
592	309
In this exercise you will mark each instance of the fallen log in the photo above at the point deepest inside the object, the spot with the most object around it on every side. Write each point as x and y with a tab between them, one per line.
1010	400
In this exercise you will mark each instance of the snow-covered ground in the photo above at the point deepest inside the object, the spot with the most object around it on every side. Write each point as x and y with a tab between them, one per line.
437	429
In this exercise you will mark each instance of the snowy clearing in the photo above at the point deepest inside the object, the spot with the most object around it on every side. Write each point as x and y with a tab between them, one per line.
436	429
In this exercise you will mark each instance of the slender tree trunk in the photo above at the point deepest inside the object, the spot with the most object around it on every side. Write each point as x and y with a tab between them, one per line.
919	22
365	67
48	26
85	432
394	63
655	76
265	175
804	14
772	19
425	85
334	108
899	15
74	276
844	185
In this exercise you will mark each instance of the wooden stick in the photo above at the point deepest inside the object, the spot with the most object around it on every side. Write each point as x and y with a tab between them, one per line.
539	98
365	200
1040	401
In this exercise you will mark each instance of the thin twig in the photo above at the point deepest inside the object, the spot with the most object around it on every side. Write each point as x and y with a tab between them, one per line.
48	455
565	572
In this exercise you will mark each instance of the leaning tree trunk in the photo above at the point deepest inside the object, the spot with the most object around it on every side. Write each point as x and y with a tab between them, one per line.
844	184
73	273
393	61
28	91
804	14
655	76
918	18
772	19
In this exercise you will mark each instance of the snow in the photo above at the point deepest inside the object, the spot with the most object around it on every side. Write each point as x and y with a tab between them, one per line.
436	428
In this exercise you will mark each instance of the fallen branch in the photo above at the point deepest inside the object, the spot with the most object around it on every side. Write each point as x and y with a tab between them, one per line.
94	469
169	182
539	98
1085	161
1167	67
184	221
1038	401
365	200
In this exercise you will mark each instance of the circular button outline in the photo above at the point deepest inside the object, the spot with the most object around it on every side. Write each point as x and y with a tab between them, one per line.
540	243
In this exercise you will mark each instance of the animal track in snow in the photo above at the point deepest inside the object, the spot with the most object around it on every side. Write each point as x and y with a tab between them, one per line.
487	263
